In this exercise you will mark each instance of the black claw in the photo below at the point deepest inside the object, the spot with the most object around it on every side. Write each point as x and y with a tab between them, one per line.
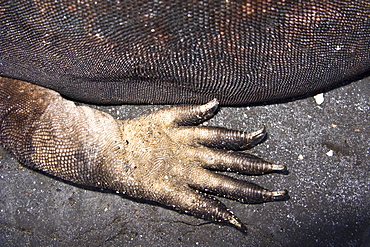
255	138
281	195
222	138
194	115
279	168
235	222
210	108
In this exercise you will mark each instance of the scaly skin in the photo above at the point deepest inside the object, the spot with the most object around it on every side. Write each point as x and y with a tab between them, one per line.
155	157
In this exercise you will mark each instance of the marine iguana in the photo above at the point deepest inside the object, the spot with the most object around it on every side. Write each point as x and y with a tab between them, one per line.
167	52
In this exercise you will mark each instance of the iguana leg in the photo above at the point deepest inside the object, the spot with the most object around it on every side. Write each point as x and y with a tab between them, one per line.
156	157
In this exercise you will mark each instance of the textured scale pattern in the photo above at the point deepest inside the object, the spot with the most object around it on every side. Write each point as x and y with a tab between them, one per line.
237	52
155	157
184	51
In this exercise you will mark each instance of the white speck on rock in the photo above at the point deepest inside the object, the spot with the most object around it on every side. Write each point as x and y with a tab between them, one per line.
330	153
319	98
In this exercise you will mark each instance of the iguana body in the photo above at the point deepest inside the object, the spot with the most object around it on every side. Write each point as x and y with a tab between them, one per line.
183	51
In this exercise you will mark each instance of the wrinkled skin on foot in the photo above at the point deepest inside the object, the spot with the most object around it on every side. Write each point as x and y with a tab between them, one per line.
160	157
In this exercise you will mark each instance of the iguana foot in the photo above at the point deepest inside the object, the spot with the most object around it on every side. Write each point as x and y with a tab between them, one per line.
160	157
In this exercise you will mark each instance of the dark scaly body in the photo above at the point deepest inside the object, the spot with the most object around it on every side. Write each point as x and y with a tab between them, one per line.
170	52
